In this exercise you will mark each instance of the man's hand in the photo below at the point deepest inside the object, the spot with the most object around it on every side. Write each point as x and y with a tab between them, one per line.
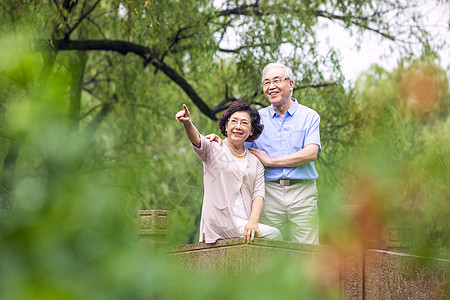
262	156
214	138
250	230
183	116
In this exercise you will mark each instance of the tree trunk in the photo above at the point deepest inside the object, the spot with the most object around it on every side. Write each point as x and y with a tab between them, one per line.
7	175
77	68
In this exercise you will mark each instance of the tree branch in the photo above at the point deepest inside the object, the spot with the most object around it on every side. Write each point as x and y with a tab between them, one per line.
149	56
106	108
315	85
69	4
239	49
355	20
97	26
61	10
106	45
178	37
82	17
188	89
241	10
223	105
7	174
253	9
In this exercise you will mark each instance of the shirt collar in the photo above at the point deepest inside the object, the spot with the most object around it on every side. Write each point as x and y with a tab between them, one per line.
294	107
291	110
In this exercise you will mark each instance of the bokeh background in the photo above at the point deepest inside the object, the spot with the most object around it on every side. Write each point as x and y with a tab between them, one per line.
89	90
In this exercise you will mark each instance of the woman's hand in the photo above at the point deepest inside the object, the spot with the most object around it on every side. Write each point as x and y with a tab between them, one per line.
183	116
250	230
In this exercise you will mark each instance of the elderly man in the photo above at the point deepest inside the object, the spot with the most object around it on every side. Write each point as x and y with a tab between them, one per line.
287	147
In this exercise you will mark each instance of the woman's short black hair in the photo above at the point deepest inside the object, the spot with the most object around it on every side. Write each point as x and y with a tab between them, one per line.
254	116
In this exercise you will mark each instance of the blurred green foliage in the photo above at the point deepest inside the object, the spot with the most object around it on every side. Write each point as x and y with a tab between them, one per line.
79	154
407	149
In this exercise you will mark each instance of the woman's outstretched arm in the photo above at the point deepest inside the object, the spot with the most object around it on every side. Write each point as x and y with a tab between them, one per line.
192	133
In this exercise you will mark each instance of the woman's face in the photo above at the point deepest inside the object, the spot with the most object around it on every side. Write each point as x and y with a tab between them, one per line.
239	127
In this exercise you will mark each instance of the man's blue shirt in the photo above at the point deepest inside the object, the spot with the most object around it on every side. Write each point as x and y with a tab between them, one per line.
280	137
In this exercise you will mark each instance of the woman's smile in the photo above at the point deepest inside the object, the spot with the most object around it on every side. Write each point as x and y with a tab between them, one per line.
239	126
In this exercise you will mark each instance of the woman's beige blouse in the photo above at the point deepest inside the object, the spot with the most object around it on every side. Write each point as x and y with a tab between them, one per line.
222	181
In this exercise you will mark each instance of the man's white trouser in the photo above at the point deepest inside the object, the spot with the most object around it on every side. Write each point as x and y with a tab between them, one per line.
292	208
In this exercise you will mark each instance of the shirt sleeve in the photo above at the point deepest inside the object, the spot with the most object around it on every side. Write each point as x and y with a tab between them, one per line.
313	134
250	144
259	187
204	152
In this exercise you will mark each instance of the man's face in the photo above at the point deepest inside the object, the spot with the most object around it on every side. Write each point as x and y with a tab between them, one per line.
277	94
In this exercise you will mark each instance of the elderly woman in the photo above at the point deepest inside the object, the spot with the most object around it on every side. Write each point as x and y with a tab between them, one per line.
233	177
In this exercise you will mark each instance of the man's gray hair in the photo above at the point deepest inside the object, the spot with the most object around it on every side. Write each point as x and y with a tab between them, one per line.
287	71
